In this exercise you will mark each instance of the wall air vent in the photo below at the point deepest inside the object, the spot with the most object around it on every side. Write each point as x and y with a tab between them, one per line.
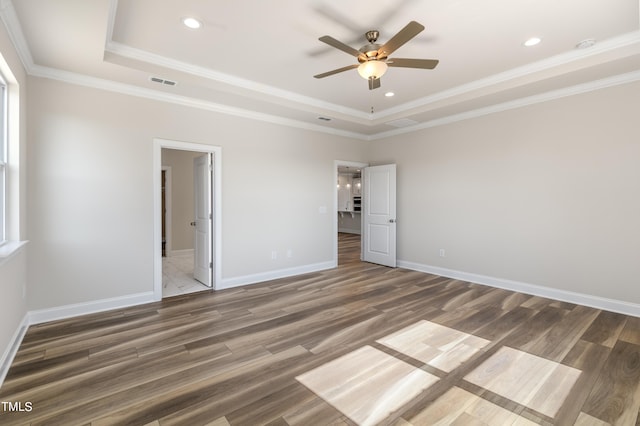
402	122
163	81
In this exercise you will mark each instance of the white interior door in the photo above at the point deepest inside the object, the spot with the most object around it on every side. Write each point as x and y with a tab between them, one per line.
379	215
202	179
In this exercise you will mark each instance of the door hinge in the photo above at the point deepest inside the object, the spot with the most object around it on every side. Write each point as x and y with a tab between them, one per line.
210	216
210	265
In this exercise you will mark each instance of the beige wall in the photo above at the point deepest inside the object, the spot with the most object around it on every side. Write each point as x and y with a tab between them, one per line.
547	195
182	202
543	194
91	198
13	271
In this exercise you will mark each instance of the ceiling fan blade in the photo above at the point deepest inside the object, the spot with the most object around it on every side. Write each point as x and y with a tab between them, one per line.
336	71
374	83
411	30
340	45
427	64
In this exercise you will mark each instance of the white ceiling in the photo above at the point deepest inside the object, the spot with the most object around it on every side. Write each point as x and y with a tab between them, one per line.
257	58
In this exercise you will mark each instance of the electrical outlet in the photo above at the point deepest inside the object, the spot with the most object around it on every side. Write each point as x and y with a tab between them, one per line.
289	254
274	255
442	253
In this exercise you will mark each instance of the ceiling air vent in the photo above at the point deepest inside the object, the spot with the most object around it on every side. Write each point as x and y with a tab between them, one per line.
402	122
163	81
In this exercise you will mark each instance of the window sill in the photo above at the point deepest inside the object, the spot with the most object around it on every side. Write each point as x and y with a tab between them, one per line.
9	249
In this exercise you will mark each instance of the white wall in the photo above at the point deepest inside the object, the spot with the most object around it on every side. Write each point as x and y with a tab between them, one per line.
91	198
547	195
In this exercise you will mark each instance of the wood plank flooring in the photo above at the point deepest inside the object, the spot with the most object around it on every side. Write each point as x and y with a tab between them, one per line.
360	344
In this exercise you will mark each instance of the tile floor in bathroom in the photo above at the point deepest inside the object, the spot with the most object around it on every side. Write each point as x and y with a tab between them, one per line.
177	276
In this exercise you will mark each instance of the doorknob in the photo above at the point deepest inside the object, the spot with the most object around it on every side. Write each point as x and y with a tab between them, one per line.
392	221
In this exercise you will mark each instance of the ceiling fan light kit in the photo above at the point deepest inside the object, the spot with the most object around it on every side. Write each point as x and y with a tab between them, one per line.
374	59
372	69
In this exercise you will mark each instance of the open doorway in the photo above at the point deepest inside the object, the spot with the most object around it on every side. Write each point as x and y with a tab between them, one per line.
186	217
186	223
347	211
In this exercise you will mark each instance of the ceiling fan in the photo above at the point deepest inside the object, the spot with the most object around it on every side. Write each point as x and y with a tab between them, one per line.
373	59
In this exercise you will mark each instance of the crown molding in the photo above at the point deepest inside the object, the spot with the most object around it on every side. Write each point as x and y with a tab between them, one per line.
514	74
622	41
518	103
253	86
119	49
14	29
131	90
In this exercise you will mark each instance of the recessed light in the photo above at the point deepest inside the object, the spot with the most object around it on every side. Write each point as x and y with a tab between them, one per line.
192	23
532	41
389	94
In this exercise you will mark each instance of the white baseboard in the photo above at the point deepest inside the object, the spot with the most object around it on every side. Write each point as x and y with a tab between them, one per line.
597	302
68	311
273	275
176	253
12	348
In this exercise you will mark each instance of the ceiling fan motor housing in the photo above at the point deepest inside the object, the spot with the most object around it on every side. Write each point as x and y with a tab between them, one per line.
370	52
372	36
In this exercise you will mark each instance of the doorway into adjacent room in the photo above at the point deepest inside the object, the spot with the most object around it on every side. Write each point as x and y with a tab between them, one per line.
365	201
186	222
187	218
348	209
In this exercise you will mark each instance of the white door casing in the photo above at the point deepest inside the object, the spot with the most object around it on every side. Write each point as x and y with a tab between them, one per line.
379	215
337	164
216	151
202	173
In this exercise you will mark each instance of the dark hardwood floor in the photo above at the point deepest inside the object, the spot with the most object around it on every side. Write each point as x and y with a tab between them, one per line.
359	344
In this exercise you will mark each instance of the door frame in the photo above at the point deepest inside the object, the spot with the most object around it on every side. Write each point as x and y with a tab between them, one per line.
168	212
158	145
336	164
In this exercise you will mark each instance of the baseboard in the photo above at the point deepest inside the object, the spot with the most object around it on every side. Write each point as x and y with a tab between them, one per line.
68	311
12	349
274	275
177	253
597	302
349	231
